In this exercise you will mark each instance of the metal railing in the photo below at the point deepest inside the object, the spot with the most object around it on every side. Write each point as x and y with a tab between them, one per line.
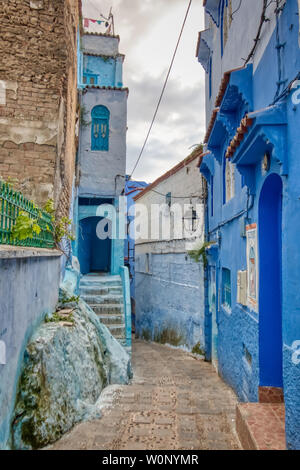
11	204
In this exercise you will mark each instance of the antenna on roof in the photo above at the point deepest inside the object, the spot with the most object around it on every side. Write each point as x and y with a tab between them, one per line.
112	25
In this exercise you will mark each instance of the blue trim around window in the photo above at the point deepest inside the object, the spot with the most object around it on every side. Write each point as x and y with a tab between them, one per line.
90	79
226	287
100	128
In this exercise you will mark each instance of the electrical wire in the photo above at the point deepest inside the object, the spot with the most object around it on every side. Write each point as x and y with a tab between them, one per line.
163	90
178	197
236	10
257	39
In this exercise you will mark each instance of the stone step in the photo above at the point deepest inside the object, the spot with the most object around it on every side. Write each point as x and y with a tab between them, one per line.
118	331
88	290
261	426
104	294
120	338
101	282
107	309
102	277
94	290
111	319
102	299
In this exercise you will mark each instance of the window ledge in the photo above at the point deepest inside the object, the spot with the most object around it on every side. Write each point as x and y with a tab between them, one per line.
227	310
11	252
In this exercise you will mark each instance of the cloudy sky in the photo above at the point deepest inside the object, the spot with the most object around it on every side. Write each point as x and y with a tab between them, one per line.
149	31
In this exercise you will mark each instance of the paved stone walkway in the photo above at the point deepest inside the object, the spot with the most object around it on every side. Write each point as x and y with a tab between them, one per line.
175	402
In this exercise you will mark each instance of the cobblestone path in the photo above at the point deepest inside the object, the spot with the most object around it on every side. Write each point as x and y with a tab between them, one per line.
175	402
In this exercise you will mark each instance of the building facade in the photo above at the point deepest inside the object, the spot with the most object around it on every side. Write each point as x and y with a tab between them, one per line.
99	192
101	169
38	95
169	283
132	189
252	168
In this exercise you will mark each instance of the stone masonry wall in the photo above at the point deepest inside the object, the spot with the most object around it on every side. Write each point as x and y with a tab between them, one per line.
38	49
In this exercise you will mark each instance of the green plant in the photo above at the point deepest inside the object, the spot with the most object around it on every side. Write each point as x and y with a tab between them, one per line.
200	253
168	336
83	121
56	317
198	350
25	227
70	300
61	227
105	58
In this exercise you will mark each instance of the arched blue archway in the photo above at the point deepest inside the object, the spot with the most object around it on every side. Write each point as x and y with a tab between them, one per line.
270	285
94	254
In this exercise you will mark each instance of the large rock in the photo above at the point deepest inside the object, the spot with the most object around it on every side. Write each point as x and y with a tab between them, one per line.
65	370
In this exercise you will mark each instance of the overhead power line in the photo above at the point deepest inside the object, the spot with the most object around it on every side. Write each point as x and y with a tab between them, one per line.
163	90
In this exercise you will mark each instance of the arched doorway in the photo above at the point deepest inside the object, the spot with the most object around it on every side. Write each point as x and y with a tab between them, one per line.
94	254
270	285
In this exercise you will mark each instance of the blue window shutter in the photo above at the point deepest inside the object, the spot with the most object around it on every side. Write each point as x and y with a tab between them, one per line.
100	128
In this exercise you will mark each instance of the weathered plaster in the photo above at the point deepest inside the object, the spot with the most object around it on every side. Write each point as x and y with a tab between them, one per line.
94	44
22	131
30	288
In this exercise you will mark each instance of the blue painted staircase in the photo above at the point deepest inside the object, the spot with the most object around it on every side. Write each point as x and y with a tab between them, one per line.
104	294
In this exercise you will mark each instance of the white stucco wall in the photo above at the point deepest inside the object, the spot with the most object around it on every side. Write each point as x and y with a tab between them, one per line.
103	173
186	186
102	45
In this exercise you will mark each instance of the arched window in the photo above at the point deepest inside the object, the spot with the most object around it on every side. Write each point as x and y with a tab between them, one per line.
100	128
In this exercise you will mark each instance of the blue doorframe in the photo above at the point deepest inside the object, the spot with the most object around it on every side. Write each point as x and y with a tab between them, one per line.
94	254
270	283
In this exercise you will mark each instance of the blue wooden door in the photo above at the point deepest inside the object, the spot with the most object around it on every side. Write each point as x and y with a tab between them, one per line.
100	128
100	134
94	254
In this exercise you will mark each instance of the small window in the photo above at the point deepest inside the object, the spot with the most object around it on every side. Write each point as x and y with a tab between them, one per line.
169	199
100	128
226	287
90	79
147	264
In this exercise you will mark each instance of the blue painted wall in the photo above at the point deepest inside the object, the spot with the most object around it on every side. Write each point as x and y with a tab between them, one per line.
170	297
246	338
29	284
105	69
99	58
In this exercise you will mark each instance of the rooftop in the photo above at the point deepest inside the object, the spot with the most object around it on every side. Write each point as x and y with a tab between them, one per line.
195	154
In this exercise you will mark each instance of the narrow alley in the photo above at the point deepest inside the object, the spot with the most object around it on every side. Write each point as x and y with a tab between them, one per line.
175	402
149	226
